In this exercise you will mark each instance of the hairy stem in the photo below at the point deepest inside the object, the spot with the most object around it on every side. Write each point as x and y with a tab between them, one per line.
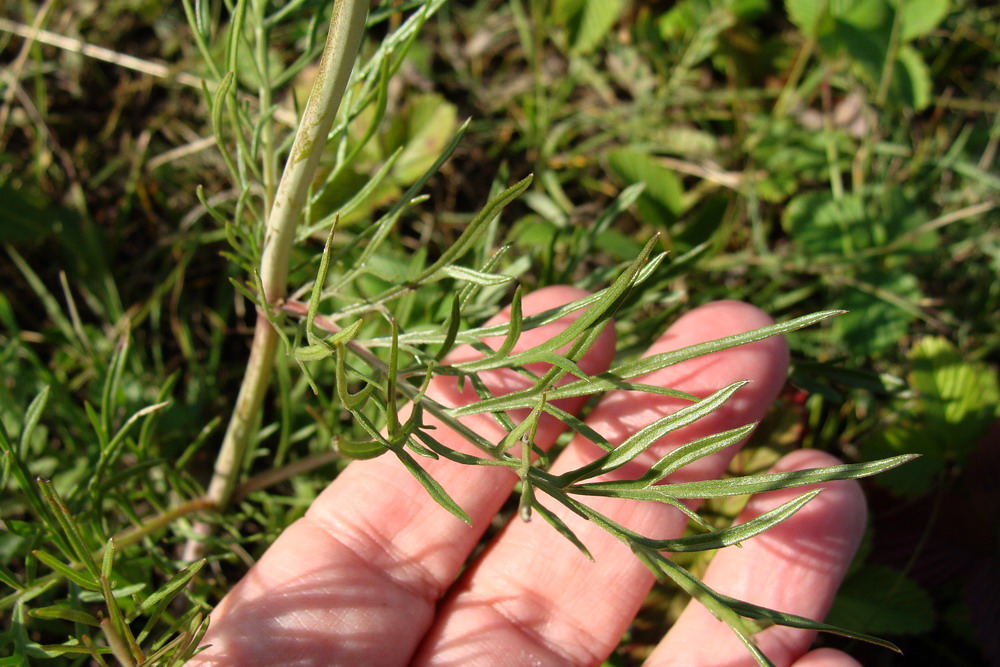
344	38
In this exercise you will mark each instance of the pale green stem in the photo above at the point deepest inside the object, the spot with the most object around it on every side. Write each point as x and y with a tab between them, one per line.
118	646
343	40
265	94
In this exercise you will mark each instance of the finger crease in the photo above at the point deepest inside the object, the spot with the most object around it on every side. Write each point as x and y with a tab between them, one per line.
379	556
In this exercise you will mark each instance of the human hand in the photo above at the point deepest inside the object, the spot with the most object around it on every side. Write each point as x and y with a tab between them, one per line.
368	576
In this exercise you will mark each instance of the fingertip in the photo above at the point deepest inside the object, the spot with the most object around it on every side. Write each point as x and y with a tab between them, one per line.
795	566
764	362
826	657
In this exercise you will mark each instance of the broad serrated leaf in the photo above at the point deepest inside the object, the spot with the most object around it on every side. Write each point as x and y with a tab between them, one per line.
879	599
880	307
920	17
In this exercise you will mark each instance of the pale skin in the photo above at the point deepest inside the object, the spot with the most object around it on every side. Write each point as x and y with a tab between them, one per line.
373	574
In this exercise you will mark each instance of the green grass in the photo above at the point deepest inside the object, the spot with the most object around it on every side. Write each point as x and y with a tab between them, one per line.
797	164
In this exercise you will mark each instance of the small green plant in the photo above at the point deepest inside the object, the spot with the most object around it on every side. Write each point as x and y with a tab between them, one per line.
383	335
348	254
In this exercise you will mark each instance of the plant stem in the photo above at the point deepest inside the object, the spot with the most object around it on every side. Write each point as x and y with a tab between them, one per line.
346	26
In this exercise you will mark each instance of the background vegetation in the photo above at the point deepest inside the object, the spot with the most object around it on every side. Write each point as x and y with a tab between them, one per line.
797	155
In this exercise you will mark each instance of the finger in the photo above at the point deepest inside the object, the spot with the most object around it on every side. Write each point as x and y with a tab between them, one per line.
826	657
795	567
534	595
357	579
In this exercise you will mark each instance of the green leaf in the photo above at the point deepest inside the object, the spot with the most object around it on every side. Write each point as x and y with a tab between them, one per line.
475	277
564	363
597	384
824	225
731	535
579	426
920	17
646	437
66	614
712	601
911	80
165	593
368	193
324	347
806	15
647	365
80	578
959	398
880	307
430	123
738	486
956	403
553	520
475	227
771	616
460	457
31	417
860	30
435	490
516	322
317	291
597	18
723	606
564	11
662	199
879	599
27	217
451	329
360	449
681	456
918	477
599	312
600	231
117	593
71	531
